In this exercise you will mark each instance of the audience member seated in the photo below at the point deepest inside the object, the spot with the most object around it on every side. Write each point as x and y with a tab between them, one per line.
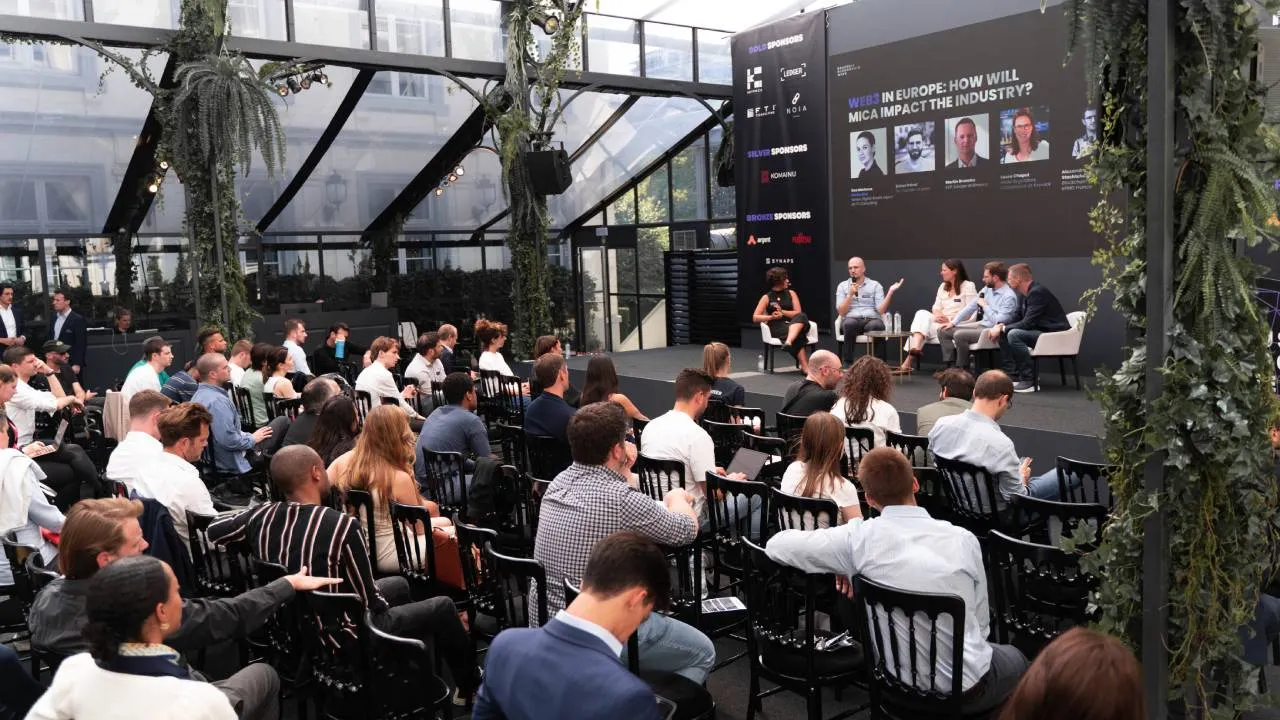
134	455
551	344
67	467
131	609
492	336
974	437
182	384
18	690
549	414
325	358
602	384
295	334
382	464
907	549
57	355
816	391
169	477
303	532
239	361
676	435
316	393
864	398
98	533
26	510
211	340
539	673
953	398
227	441
150	373
381	385
717	364
336	429
590	501
448	340
454	427
954	293
816	472
254	382
425	367
998	304
1081	675
276	371
1039	313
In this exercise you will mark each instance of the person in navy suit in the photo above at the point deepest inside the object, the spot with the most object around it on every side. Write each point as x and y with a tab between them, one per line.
69	326
13	330
569	669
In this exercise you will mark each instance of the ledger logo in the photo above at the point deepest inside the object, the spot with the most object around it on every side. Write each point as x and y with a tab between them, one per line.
755	79
793	73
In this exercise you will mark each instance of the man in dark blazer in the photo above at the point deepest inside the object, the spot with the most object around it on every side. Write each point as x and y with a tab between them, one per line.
69	326
1038	312
13	329
569	668
448	339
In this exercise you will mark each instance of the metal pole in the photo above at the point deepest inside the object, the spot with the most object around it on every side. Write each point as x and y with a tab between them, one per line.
194	248
1159	311
217	247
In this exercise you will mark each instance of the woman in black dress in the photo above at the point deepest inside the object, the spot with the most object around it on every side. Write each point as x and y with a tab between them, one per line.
780	308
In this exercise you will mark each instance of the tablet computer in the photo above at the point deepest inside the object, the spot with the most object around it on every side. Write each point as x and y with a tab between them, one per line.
748	462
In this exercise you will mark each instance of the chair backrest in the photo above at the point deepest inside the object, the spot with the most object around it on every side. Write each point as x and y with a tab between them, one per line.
1057	519
972	492
517	503
364	405
637	430
336	639
858	441
658	476
789	429
521	579
18	555
932	496
773	471
484	591
437	396
415	549
280	638
753	419
726	437
511	445
1077	320
490	385
717	411
915	447
548	456
218	573
1040	590
446	474
40	575
288	408
1084	482
511	399
794	512
244	406
904	635
359	504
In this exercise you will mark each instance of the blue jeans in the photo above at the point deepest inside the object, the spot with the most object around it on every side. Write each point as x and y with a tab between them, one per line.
735	510
1266	624
1016	346
1045	486
668	645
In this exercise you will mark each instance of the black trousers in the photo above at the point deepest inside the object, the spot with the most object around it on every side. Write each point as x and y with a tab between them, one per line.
66	469
435	622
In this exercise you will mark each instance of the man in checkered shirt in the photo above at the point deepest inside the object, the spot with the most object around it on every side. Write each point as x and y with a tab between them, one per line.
590	501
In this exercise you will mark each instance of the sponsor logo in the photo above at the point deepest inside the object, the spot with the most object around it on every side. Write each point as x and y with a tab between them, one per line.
753	240
755	79
779	261
801	239
776	151
774	44
767	176
762	111
771	217
797	106
793	73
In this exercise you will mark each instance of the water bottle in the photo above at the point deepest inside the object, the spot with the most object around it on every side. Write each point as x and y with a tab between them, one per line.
897	323
755	424
568	350
760	363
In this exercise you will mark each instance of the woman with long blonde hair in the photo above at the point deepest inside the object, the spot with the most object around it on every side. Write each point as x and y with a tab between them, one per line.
717	363
382	464
816	472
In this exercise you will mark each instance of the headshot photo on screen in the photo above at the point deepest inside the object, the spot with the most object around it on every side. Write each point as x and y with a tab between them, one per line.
1083	146
867	153
968	141
913	148
1024	134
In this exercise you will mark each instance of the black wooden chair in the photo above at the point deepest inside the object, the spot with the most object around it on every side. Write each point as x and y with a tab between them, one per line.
1040	591
416	552
717	411
289	408
517	501
272	404
858	441
42	659
244	406
751	418
510	441
484	606
637	429
789	428
899	632
729	517
915	447
18	554
772	472
783	640
511	400
659	476
932	496
364	405
446	486
359	505
974	497
548	456
517	577
1048	521
793	512
1083	482
726	437
219	573
280	642
489	397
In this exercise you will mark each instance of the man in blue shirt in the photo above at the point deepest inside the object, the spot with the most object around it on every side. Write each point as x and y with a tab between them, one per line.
227	442
453	427
861	302
549	414
997	303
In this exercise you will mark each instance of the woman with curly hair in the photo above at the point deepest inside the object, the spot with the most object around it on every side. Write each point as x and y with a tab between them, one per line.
779	307
864	398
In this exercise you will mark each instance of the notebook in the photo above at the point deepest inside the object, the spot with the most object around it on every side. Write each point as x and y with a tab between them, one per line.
748	462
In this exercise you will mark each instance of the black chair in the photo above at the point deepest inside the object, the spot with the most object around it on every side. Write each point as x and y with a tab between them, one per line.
915	447
517	501
899	632
446	486
98	446
717	411
932	496
511	399
272	404
279	641
772	472
794	512
637	429
1049	521
783	640
726	437
363	672
437	396
858	441
974	497
219	573
484	591
18	555
359	505
516	578
1040	591
244	406
658	476
287	407
489	397
42	659
364	405
752	418
789	428
548	456
510	441
728	527
416	551
1084	482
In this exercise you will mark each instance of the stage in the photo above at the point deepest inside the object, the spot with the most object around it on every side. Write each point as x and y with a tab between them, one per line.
1055	421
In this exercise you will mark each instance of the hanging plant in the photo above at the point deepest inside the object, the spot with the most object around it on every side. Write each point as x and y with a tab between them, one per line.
224	109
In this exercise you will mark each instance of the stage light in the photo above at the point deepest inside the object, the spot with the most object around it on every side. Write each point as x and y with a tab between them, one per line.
164	164
453	178
439	191
154	187
459	171
283	90
322	78
305	82
294	86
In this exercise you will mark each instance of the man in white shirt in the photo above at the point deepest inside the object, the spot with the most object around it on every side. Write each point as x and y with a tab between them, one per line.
295	333
170	478
378	382
239	360
140	447
426	366
156	356
14	329
907	549
27	401
676	435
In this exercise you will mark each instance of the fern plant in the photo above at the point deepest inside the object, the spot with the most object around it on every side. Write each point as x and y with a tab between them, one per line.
223	108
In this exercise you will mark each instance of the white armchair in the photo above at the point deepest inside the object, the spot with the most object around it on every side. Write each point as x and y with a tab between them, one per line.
1064	345
838	333
984	347
771	343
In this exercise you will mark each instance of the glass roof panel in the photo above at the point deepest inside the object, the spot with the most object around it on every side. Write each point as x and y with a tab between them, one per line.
715	14
64	144
651	127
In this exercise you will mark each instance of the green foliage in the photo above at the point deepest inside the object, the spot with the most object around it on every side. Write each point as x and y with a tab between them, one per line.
223	109
1209	425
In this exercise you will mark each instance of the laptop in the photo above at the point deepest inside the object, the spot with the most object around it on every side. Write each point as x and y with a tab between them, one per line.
748	462
57	440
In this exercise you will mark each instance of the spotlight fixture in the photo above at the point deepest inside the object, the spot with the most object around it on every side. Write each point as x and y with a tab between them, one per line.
282	89
439	191
154	187
453	178
546	21
459	171
294	86
305	82
164	164
322	78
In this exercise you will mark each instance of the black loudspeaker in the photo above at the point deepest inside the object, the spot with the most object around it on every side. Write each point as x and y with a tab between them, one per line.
549	171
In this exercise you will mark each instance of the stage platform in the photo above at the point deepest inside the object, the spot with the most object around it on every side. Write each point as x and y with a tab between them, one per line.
1055	421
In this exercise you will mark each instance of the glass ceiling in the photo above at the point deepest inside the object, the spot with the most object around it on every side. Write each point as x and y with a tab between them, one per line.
730	15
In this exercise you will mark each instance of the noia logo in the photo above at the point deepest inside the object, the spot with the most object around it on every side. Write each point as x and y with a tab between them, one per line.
793	73
755	79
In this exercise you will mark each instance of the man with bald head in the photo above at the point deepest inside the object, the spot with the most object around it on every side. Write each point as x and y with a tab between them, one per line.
227	442
303	531
861	302
448	335
816	391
